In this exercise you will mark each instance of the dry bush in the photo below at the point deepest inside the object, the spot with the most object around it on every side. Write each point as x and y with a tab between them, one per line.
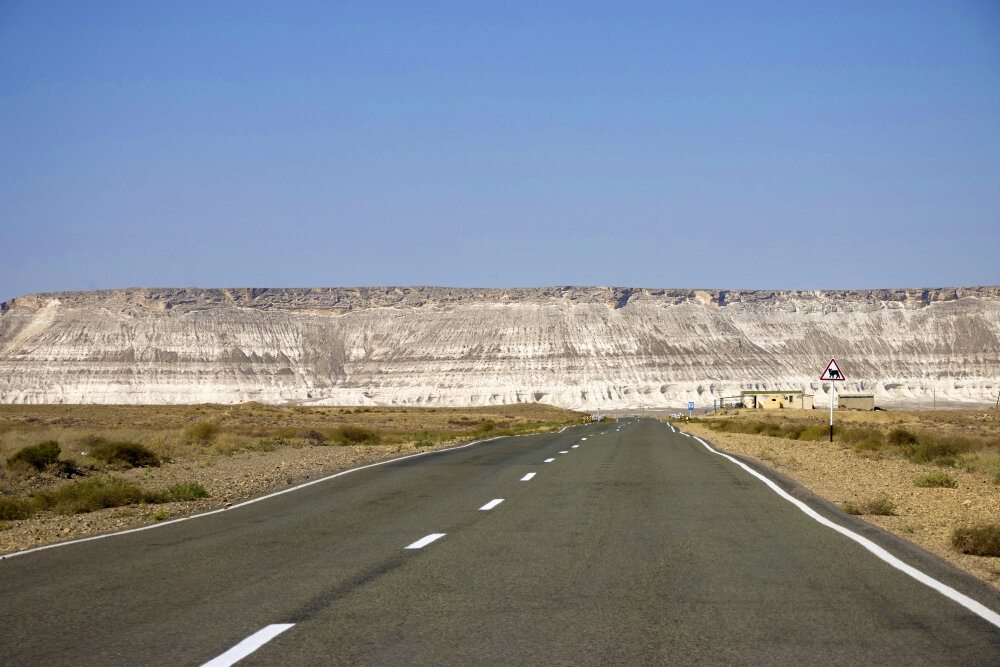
880	505
125	454
356	435
935	480
204	432
979	540
39	456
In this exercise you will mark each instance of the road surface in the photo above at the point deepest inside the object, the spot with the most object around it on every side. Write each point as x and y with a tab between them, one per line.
604	544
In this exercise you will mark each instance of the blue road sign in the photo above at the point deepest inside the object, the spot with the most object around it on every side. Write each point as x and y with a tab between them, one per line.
690	405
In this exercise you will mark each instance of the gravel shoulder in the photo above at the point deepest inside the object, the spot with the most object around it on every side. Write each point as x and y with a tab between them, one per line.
926	516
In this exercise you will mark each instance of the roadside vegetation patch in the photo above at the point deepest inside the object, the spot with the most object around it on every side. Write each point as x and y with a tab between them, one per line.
185	491
979	540
938	479
124	454
92	494
12	508
356	435
43	457
39	456
929	445
203	431
880	505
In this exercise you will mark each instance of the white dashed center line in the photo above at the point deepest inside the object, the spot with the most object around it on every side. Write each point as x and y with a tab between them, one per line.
549	460
493	503
248	645
424	541
574	446
564	452
582	439
527	477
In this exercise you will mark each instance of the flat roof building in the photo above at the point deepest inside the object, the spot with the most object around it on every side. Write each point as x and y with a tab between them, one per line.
776	400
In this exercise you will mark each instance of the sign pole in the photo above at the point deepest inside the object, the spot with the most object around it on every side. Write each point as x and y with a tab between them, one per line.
832	385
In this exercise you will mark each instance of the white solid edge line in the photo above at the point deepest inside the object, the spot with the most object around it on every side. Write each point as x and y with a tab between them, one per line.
248	645
549	460
493	503
975	607
527	477
245	502
424	541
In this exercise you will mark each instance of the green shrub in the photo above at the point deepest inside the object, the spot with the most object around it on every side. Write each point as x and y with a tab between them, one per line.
38	456
814	433
203	431
486	427
125	454
870	442
349	434
981	540
92	494
900	437
932	450
186	491
423	439
14	508
861	438
935	480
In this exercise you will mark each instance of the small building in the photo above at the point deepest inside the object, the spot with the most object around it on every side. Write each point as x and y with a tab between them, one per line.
856	402
777	400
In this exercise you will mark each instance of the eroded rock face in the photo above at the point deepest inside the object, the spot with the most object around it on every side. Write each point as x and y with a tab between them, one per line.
577	347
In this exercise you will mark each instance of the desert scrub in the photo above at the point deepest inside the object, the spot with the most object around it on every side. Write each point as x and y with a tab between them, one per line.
185	491
349	434
203	431
98	493
880	505
91	494
979	540
124	454
935	480
312	436
38	456
14	508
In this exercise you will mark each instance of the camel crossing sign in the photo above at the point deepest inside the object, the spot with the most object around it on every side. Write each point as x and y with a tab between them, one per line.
832	372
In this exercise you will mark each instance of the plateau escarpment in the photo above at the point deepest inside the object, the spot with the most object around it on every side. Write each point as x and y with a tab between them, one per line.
570	346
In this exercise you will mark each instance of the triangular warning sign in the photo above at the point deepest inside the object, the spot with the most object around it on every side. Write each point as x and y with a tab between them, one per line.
832	372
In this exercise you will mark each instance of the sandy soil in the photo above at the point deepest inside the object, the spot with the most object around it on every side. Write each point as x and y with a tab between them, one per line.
926	517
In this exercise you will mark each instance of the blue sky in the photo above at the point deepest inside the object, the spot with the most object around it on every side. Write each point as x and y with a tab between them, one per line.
767	145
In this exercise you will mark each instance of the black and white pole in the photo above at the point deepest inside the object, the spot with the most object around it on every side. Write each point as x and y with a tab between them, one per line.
832	399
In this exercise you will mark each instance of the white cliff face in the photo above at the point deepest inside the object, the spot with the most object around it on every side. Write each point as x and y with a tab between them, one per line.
573	347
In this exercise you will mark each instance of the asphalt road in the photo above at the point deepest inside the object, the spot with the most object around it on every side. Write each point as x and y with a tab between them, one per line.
632	546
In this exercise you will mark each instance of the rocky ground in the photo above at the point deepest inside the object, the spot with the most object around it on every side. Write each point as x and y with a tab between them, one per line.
925	516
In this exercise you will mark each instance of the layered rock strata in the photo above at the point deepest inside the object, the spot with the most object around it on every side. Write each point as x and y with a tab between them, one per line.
576	347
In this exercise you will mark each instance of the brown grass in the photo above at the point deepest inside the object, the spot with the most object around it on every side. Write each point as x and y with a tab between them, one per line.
87	434
968	439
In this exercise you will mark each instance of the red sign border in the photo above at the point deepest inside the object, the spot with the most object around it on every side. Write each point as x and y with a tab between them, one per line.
833	362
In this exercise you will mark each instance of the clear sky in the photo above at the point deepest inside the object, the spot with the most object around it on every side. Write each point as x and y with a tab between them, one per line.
769	145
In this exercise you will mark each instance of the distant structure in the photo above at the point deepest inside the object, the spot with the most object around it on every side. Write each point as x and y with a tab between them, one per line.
776	400
856	402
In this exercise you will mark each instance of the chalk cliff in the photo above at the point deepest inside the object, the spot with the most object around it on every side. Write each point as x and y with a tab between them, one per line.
578	347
